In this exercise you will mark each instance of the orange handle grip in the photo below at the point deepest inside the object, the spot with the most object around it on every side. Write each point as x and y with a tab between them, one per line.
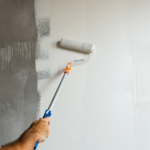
68	68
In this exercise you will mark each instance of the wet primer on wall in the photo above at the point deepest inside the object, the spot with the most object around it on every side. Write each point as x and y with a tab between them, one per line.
21	31
19	98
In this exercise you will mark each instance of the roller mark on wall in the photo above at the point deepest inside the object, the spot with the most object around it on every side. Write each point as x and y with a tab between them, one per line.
43	26
43	75
43	31
43	55
14	54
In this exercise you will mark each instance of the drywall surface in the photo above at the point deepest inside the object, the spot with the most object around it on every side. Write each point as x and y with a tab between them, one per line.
19	98
104	103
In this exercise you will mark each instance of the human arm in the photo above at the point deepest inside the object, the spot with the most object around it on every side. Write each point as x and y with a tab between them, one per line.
37	132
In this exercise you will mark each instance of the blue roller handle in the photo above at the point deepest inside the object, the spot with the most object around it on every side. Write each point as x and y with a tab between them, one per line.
47	114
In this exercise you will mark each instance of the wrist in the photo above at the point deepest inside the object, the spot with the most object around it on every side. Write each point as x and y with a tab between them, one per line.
29	138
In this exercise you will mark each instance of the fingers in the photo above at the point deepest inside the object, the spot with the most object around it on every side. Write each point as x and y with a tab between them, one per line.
41	127
47	119
42	140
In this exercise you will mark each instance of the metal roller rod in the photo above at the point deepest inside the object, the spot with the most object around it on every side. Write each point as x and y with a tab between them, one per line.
57	92
48	111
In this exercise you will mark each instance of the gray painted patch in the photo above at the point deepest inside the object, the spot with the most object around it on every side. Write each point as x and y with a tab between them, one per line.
43	27
43	75
17	21
41	55
19	99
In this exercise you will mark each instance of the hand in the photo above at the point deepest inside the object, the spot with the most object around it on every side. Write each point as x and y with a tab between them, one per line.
41	128
37	132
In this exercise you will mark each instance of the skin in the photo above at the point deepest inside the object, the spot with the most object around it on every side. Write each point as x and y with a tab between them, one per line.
37	132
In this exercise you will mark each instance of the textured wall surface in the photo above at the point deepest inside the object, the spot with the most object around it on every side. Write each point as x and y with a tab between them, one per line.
19	98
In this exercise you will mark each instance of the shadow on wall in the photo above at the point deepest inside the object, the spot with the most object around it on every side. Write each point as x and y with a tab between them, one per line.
19	99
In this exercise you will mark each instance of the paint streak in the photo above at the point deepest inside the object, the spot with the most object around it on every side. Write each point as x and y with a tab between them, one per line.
14	54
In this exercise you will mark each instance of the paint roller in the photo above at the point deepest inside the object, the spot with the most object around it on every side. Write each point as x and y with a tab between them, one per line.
73	45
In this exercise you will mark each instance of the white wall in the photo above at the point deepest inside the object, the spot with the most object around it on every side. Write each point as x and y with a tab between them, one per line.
104	103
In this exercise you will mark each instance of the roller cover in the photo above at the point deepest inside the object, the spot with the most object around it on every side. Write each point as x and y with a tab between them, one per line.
79	46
